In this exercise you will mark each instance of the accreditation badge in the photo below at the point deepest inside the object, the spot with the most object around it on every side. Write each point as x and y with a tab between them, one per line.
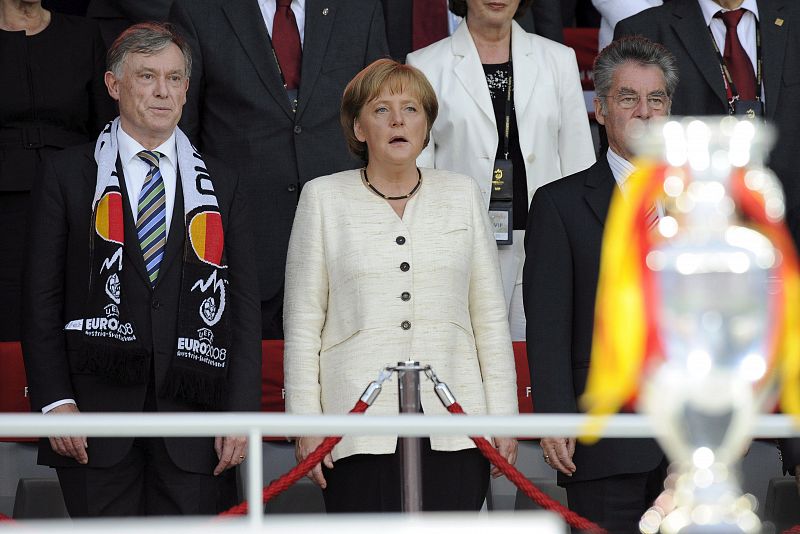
501	217
749	109
502	201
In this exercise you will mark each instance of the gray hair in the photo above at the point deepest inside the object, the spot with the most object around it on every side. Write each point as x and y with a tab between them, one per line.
146	38
633	49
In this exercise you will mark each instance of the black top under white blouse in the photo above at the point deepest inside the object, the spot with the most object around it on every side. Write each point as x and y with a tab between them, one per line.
497	76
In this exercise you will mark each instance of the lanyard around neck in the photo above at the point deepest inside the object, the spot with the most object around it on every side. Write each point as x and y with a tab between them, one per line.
509	101
730	87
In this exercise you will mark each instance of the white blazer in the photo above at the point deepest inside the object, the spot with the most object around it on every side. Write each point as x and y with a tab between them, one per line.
551	116
365	289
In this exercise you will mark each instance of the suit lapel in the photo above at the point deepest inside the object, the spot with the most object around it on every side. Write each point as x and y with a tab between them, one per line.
131	249
469	70
319	22
525	68
177	233
600	185
689	25
248	25
773	50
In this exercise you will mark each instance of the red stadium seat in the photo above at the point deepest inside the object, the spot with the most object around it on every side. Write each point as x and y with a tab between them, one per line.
13	383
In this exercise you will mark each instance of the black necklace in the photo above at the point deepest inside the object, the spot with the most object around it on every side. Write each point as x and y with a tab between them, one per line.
387	197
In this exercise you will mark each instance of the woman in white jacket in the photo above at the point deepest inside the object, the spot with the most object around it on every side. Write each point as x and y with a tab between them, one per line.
390	263
487	59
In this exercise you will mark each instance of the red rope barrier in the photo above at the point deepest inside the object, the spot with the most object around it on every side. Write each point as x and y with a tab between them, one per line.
526	486
300	470
283	483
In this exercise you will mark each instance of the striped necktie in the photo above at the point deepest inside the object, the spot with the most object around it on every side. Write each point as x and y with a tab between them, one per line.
151	224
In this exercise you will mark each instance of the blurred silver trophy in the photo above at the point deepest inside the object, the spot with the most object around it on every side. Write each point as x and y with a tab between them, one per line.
716	279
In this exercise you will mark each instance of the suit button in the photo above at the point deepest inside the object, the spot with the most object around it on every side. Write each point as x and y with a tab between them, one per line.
291	188
400	240
298	130
404	266
405	325
156	304
405	296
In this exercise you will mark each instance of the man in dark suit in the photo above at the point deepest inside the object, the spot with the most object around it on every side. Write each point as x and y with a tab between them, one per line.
790	458
686	27
170	323
614	481
265	95
116	15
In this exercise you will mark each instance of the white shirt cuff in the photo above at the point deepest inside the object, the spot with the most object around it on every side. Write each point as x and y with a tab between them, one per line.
56	404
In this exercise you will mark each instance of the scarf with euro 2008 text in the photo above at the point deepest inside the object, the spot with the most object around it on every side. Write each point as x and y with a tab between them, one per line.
197	372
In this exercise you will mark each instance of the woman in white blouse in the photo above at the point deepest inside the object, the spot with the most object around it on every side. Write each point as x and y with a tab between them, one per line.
391	263
508	98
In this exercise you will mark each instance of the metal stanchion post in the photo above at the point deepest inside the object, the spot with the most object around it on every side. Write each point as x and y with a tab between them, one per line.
410	449
255	481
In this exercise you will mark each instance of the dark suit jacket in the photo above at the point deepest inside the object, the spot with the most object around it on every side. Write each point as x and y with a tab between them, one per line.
238	110
55	292
579	14
133	10
790	454
562	248
543	18
679	25
116	15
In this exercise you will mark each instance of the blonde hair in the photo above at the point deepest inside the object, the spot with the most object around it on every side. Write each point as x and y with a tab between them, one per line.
368	84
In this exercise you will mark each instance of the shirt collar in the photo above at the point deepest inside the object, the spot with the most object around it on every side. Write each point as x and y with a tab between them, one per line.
299	3
621	168
710	8
130	147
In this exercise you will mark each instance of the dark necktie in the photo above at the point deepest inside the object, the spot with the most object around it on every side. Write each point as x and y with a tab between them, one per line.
429	22
286	43
735	57
151	224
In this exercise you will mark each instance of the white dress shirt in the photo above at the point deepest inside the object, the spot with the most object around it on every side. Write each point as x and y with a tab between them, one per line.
621	168
135	171
746	28
56	404
268	8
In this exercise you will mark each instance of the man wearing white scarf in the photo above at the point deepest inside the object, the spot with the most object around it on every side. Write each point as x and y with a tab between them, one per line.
155	310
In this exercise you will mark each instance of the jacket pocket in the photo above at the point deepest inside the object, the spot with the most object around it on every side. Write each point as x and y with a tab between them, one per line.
329	343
